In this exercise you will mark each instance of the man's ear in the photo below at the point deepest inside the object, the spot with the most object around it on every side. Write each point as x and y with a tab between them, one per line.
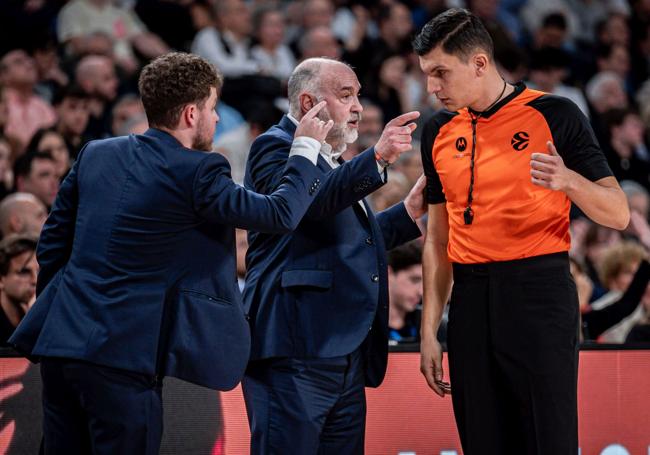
306	103
189	115
481	63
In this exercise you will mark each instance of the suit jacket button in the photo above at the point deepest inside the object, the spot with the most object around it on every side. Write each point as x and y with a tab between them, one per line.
374	278
369	241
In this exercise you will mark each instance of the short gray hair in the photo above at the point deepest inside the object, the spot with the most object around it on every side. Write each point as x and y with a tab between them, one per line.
306	77
595	87
632	188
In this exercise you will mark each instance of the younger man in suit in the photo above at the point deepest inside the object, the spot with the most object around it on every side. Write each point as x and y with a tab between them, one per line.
137	277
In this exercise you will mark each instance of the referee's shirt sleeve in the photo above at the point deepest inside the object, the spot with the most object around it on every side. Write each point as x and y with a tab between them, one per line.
573	137
435	194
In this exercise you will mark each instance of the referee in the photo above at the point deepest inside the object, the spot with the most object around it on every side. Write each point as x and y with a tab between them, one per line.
503	164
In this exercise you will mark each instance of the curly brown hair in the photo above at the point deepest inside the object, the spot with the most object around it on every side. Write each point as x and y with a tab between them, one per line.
171	82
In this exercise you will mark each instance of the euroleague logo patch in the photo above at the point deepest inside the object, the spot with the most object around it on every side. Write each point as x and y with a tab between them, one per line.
461	144
520	141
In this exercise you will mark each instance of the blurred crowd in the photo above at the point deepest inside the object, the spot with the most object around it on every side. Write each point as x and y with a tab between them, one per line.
69	70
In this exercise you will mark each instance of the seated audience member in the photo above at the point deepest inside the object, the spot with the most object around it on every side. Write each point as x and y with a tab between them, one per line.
410	164
49	140
274	58
26	111
35	173
96	75
604	91
228	46
18	271
625	271
319	42
640	333
80	21
126	109
395	190
549	67
638	198
71	105
626	151
404	292
22	213
6	173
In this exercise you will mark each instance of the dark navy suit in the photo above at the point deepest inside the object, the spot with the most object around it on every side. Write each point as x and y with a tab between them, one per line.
317	300
137	274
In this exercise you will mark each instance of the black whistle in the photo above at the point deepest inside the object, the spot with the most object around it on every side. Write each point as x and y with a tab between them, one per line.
468	215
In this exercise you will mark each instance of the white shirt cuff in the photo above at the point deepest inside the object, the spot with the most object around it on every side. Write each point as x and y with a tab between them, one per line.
307	147
381	169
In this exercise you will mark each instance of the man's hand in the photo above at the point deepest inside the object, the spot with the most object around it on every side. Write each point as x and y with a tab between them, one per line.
415	201
396	137
313	127
549	171
431	366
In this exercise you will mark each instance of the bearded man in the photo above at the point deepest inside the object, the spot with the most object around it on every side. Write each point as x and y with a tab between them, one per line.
317	298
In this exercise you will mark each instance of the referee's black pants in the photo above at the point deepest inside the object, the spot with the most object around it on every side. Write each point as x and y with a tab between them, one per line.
513	358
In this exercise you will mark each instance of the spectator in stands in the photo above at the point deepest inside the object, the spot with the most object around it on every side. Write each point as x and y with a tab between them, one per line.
552	32
273	57
227	46
613	29
50	141
393	192
618	268
71	104
95	74
18	271
395	30
640	332
319	42
626	150
404	292
613	57
548	68
35	173
410	164
26	111
638	198
388	87
127	109
6	171
80	22
22	213
605	91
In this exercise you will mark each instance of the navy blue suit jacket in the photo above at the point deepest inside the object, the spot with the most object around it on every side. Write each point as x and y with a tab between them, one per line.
320	290
138	259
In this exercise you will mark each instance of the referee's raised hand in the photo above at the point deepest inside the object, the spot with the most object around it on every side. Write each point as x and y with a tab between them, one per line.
548	170
396	137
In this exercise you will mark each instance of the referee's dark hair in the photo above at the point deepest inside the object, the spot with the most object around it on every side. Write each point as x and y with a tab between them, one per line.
405	256
458	31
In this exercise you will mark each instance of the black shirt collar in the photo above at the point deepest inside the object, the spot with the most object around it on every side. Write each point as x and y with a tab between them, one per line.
519	88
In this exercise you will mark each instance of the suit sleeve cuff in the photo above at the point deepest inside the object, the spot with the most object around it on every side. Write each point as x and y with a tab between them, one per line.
307	147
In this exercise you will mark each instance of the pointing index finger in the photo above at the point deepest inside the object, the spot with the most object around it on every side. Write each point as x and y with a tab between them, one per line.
404	118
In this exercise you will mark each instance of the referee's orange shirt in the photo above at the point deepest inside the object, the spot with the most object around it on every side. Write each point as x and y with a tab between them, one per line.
513	218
